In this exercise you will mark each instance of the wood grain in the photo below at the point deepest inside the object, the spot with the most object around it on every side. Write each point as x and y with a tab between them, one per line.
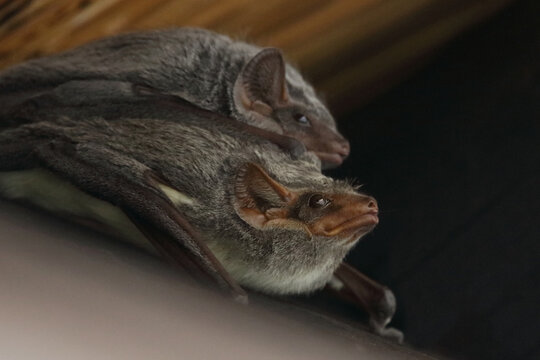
351	49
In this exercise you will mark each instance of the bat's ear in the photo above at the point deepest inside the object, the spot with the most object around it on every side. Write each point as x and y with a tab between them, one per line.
259	199
261	84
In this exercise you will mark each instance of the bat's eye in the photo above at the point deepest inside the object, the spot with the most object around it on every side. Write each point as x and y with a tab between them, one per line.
318	201
302	119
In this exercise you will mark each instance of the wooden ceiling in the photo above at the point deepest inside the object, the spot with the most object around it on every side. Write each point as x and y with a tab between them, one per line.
350	49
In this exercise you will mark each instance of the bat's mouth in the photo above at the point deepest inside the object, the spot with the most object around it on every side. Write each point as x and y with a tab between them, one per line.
358	225
330	160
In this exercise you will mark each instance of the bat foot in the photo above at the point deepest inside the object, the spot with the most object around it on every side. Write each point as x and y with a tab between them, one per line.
383	309
389	333
382	313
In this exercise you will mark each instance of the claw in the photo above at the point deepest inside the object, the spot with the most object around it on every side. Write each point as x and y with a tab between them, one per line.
390	333
382	313
377	300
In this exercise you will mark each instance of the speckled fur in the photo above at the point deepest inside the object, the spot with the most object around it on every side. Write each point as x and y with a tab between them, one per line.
198	65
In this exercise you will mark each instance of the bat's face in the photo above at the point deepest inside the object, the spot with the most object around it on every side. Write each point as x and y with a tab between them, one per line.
341	214
343	218
310	230
313	131
274	96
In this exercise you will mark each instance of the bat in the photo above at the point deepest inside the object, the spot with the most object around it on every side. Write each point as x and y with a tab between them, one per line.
208	198
235	79
81	99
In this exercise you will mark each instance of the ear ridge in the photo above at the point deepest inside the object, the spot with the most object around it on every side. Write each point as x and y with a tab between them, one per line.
258	198
262	82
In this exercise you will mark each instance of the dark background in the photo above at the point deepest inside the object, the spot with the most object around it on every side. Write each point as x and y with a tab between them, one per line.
453	156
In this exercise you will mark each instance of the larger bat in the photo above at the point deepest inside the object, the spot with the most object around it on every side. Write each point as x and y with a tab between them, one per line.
204	195
233	78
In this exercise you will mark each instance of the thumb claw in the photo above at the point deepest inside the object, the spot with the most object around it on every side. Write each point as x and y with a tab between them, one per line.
390	332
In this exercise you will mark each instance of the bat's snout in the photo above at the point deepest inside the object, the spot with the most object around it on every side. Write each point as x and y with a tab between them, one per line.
355	216
335	151
343	148
371	207
369	210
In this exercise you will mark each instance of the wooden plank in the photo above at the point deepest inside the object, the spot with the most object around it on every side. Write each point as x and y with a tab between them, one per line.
346	47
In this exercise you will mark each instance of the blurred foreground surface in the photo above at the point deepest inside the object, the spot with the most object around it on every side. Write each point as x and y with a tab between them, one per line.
71	294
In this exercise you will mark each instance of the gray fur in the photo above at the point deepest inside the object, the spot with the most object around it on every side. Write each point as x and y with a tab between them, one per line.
195	64
201	160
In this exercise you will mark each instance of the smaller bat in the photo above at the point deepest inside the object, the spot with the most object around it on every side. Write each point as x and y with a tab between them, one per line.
82	99
238	80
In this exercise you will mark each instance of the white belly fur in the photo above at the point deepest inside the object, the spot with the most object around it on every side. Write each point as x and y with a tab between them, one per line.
48	191
274	282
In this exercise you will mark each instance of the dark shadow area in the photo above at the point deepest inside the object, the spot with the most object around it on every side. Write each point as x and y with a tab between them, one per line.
453	156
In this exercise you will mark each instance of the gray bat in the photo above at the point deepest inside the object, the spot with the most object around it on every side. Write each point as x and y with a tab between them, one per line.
232	78
83	99
205	196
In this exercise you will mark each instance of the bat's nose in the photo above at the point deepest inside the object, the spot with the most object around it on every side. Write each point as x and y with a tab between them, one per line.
334	153
344	148
370	205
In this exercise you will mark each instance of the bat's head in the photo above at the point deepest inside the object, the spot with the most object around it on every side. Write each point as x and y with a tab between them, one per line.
297	236
274	96
340	216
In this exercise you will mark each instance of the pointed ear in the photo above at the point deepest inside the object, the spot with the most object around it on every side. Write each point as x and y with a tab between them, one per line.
259	199
261	84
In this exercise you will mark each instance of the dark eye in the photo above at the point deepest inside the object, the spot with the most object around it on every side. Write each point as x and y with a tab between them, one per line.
318	201
302	119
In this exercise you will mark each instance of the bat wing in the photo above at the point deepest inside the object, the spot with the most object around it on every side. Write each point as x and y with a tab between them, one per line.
377	300
112	99
77	99
136	191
